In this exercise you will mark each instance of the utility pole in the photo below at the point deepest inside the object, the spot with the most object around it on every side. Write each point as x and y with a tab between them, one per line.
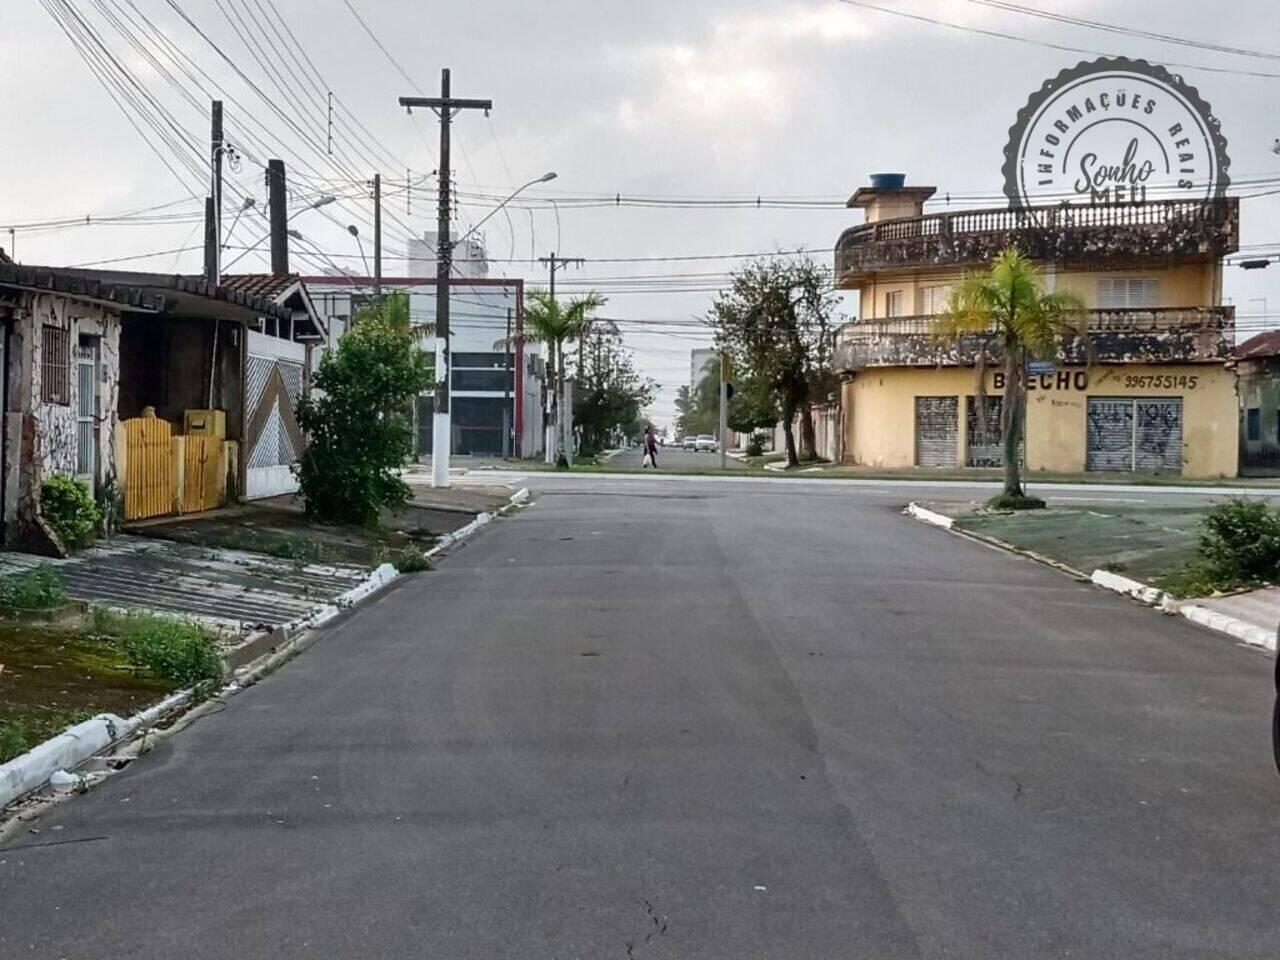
278	216
377	235
213	204
506	390
554	263
444	106
724	414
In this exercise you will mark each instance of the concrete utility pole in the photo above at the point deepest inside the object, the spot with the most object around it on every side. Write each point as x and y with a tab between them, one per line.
506	390
724	414
377	235
213	205
444	106
278	216
551	441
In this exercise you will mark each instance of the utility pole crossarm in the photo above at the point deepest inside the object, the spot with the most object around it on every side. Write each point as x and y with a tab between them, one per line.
445	103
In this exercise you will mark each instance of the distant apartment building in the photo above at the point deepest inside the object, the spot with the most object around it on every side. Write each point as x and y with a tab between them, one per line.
1146	389
496	380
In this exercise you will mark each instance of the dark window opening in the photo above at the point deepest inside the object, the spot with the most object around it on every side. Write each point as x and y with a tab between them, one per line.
55	365
1253	424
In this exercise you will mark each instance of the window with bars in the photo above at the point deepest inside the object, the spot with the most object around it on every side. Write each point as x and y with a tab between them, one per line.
1121	293
55	365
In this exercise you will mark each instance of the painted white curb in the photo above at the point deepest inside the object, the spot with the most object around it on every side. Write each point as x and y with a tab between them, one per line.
462	533
930	516
1242	630
372	584
1131	588
74	746
520	496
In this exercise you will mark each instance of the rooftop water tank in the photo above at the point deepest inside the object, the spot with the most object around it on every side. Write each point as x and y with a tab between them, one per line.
888	181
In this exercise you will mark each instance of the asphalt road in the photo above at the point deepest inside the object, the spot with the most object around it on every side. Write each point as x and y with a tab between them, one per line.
654	718
673	458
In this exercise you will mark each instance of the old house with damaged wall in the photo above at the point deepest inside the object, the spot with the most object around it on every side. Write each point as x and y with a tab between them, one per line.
133	382
1147	389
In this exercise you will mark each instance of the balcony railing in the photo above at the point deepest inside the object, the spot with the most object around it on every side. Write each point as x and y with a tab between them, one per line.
1167	335
1161	228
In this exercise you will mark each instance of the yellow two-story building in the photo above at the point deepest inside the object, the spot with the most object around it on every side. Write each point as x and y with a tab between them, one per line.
1145	390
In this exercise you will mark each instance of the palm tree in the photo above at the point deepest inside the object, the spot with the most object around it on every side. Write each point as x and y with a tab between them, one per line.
1007	310
549	321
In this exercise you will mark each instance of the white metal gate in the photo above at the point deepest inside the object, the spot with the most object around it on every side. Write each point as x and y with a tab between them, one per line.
273	377
87	412
1134	434
937	431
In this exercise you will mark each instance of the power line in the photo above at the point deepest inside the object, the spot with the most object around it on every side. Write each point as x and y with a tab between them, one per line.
951	25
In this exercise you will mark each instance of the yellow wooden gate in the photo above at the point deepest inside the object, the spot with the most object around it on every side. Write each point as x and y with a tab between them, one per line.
148	481
205	474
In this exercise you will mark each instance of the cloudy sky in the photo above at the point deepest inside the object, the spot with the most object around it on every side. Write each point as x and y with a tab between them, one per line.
679	103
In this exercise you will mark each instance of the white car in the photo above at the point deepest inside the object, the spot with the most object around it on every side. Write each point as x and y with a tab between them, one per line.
706	442
690	443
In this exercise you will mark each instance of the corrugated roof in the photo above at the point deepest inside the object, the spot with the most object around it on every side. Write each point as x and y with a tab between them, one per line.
1259	346
269	286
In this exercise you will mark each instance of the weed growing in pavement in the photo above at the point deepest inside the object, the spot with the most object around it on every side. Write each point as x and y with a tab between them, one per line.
20	734
1008	501
175	650
406	560
40	588
1239	547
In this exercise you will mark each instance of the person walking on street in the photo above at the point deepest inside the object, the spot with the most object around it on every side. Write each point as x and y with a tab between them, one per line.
650	448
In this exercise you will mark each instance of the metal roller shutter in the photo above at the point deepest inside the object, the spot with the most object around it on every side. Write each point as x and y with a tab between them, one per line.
984	445
937	431
1143	434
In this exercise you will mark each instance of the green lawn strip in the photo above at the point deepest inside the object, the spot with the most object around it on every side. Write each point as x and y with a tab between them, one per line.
1142	542
53	678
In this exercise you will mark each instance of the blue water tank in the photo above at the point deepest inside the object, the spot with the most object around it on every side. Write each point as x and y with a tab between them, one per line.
888	181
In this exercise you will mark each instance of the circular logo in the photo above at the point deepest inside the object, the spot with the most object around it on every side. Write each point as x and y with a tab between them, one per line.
1114	131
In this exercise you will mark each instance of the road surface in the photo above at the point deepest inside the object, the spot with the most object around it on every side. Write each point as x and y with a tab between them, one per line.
656	718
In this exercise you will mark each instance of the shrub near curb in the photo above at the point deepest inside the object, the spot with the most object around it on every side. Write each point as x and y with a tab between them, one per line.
67	506
175	650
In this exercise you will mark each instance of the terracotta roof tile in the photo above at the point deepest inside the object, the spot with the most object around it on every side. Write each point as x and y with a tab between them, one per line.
265	285
1262	345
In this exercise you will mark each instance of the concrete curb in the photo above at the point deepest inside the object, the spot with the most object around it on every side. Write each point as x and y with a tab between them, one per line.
930	516
1241	630
378	579
517	499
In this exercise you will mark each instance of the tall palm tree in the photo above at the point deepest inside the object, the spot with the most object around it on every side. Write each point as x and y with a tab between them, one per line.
1007	310
549	321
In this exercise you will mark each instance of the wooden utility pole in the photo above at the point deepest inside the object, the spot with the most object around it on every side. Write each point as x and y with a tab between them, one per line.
444	107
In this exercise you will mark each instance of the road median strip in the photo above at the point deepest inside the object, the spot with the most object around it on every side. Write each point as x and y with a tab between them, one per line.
1251	634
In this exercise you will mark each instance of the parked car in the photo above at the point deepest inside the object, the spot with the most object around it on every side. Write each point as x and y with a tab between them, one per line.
690	443
706	442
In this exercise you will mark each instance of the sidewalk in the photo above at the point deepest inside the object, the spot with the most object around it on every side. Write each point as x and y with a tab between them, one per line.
1126	548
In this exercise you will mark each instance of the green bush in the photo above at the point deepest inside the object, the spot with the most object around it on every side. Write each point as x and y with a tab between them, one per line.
1240	542
66	504
755	445
40	588
175	650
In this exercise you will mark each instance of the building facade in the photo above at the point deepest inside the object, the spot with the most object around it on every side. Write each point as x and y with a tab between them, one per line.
1147	389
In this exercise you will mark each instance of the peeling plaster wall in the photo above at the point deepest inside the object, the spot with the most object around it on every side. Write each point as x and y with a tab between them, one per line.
42	436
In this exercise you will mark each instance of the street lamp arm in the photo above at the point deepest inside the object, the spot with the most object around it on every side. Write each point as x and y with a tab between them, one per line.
546	177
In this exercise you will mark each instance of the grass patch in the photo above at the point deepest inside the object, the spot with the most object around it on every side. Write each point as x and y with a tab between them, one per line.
178	651
1015	501
406	559
22	733
40	588
273	543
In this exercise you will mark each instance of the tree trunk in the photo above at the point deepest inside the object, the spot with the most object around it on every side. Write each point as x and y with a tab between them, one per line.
1011	419
808	436
788	417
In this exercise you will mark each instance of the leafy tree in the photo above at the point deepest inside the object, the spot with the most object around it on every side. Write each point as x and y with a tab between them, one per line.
776	321
357	418
1005	309
754	405
549	321
609	395
700	412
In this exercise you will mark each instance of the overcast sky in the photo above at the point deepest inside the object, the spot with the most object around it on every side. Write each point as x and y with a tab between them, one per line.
697	99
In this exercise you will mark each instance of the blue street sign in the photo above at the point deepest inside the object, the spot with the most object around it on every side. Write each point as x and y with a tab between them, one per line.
1041	367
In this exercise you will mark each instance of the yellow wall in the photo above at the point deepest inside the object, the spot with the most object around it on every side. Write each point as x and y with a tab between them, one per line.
880	413
1187	285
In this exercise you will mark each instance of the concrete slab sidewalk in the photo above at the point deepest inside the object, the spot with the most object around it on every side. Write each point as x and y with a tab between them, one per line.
230	590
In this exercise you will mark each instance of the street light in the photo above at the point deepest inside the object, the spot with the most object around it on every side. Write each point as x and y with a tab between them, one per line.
351	229
441	421
249	202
